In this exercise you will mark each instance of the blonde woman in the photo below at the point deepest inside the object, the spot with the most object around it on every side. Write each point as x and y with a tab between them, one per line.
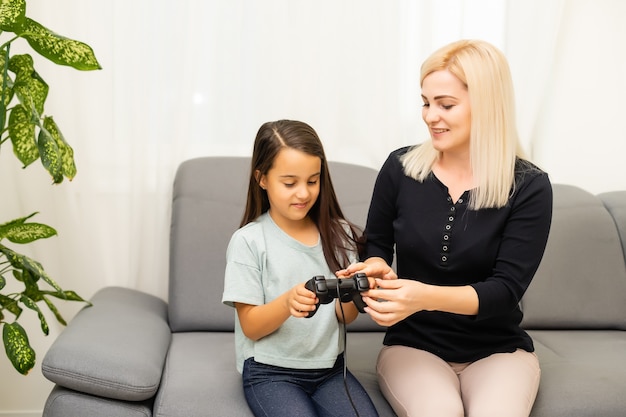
468	218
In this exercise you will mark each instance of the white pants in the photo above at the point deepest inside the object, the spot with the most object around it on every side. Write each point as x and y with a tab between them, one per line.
419	384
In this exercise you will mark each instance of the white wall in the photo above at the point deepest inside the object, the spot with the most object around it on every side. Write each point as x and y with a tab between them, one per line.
580	137
198	77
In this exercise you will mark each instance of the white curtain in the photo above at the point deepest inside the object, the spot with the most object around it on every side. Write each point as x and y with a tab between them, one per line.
189	78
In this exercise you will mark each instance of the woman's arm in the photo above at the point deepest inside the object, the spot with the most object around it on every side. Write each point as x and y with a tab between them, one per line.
394	300
408	296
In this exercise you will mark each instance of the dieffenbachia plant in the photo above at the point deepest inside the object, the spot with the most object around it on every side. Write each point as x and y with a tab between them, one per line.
34	136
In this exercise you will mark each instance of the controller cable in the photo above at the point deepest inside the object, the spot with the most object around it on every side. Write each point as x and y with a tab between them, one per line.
345	353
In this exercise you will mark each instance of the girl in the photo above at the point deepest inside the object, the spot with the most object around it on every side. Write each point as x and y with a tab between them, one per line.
292	229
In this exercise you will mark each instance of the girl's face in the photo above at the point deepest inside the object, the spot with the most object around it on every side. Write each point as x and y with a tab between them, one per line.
446	111
292	185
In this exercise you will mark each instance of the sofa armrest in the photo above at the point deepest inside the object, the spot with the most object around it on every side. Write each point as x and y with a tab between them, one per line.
115	348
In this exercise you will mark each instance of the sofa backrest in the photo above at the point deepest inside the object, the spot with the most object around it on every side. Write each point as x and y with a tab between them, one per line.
581	282
615	203
207	205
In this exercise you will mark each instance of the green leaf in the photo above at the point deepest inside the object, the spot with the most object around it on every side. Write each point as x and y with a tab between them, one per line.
12	14
17	347
31	287
29	87
22	133
6	227
67	153
57	48
66	295
3	282
33	306
6	87
55	311
21	220
10	304
34	268
18	275
50	156
29	232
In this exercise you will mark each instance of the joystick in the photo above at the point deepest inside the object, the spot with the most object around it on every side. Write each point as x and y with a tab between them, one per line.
346	290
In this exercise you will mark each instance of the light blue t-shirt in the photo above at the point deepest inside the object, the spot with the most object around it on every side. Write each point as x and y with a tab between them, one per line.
262	262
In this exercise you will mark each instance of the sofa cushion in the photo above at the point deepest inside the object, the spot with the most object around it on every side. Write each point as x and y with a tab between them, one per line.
581	282
63	402
361	354
200	378
583	373
115	348
200	375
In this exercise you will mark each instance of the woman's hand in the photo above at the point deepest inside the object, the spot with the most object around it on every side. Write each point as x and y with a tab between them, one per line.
372	267
394	300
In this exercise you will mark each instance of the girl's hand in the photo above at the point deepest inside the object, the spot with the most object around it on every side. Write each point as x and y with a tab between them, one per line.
258	321
301	301
394	300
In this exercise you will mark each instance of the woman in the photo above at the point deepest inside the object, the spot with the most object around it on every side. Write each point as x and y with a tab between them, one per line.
468	218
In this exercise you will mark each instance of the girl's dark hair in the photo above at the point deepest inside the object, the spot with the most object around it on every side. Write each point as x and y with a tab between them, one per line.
338	235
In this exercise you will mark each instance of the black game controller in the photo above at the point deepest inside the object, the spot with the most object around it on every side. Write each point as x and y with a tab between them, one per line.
346	290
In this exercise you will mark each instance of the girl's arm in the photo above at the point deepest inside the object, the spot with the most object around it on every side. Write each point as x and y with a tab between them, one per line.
258	321
350	312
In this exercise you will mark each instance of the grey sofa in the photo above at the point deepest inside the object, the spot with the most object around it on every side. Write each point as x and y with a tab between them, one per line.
133	354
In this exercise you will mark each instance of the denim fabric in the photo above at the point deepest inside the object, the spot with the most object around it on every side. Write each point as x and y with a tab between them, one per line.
272	391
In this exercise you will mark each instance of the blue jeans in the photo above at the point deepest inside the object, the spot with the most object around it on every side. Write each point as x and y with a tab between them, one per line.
272	391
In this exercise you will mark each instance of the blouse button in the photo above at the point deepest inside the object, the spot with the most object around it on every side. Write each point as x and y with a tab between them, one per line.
447	227
445	248
452	208
444	258
461	200
451	218
446	237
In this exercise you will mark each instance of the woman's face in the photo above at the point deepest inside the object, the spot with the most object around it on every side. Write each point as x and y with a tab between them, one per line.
446	111
292	185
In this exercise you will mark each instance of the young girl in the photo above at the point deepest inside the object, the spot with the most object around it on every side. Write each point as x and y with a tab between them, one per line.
292	230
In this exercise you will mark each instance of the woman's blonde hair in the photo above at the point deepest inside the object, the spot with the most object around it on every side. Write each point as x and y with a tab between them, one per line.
494	141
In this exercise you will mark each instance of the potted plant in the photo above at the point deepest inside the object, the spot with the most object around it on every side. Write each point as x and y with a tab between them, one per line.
34	136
